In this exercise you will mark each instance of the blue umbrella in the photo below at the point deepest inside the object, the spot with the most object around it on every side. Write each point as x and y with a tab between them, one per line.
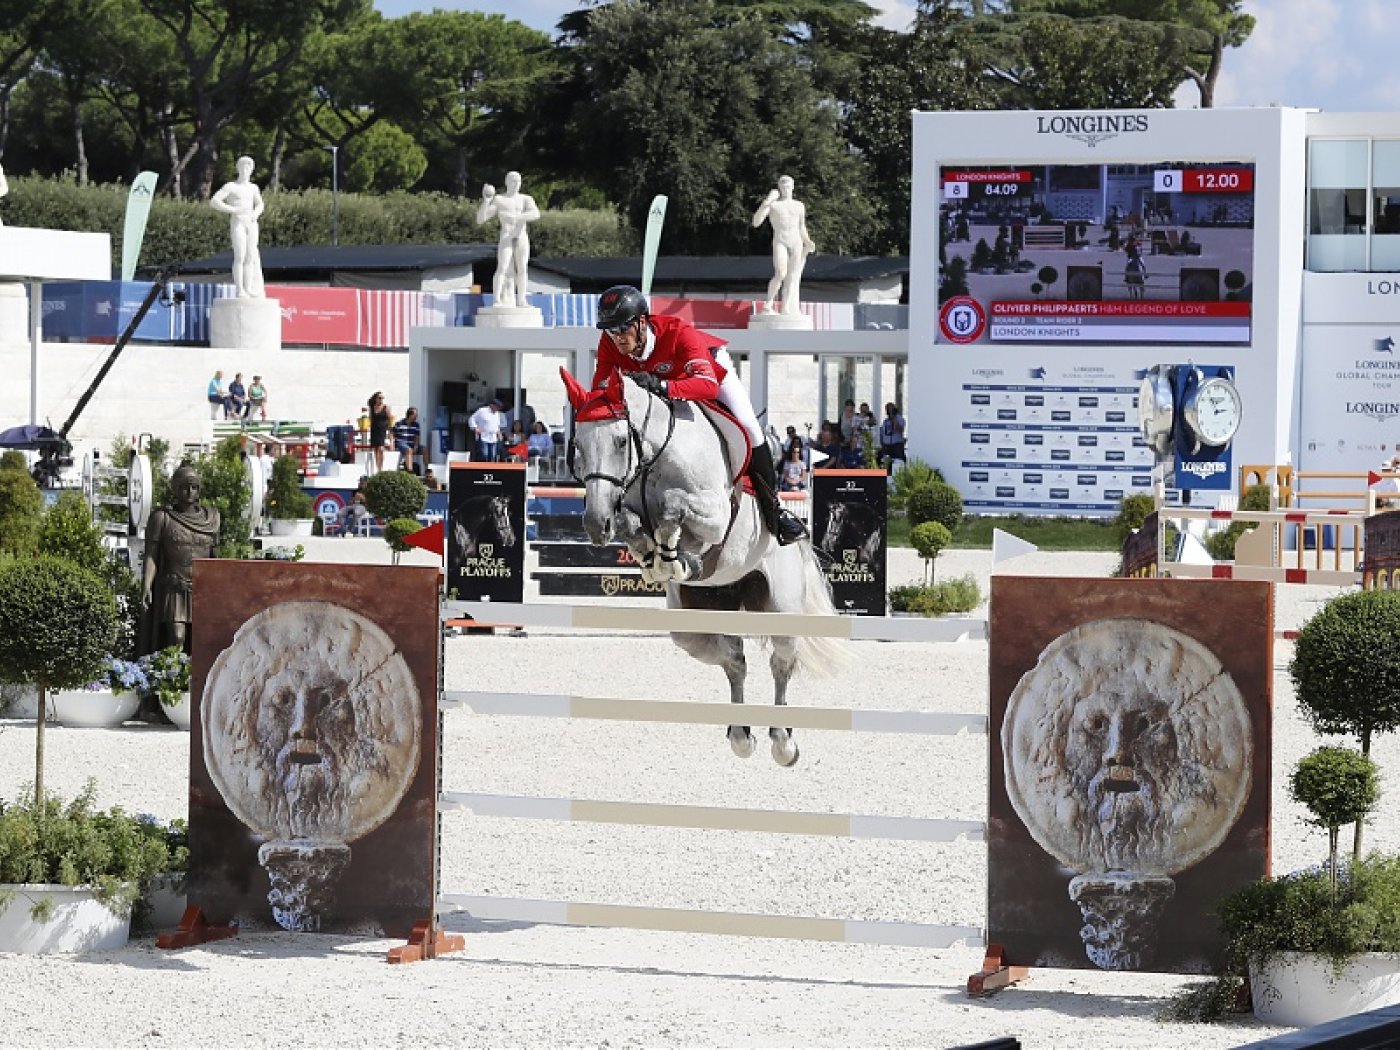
31	437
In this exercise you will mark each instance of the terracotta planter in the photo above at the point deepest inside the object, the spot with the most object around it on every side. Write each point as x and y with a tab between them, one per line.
1301	989
78	922
93	709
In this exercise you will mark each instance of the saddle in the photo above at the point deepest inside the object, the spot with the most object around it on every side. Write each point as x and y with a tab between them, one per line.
733	438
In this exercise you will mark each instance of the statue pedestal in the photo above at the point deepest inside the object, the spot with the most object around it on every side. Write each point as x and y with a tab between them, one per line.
246	324
509	317
772	320
14	313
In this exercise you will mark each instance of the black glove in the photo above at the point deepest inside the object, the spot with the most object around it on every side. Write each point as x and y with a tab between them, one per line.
650	383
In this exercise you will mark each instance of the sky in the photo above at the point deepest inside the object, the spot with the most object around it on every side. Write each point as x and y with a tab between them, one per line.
1335	55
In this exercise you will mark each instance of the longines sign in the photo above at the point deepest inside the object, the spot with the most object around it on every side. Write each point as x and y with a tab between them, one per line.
1091	128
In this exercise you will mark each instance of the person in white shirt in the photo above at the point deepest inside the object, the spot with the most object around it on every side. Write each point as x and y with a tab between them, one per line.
486	423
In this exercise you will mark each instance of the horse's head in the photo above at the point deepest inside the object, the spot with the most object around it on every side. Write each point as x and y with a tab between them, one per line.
601	451
835	527
500	514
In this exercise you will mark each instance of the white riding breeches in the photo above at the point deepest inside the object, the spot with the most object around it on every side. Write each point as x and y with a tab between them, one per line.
734	396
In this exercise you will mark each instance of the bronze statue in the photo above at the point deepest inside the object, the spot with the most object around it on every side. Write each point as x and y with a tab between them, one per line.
175	536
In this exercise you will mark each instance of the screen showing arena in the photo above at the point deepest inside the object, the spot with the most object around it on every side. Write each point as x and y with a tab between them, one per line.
1096	253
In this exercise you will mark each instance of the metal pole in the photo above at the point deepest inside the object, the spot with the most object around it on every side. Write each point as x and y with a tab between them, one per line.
335	195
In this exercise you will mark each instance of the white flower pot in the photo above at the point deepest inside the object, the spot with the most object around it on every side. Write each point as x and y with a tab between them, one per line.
94	709
78	922
167	899
292	526
21	701
1301	989
179	713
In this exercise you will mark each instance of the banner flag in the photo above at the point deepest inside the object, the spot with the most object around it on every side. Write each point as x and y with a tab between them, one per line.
656	215
138	210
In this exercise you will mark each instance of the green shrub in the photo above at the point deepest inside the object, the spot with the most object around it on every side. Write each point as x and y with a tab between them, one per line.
1221	545
21	505
950	596
285	497
1338	786
13	459
223	483
913	475
1132	512
67	531
79	845
396	529
394	494
936	501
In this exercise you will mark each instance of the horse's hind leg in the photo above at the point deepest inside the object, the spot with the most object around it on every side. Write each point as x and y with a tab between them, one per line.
782	663
723	650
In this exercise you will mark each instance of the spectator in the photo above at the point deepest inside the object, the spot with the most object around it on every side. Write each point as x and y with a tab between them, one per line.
237	405
852	456
379	420
517	442
892	438
848	421
1135	274
431	481
486	425
257	398
792	441
829	445
218	396
794	472
408	440
541	444
866	417
354	514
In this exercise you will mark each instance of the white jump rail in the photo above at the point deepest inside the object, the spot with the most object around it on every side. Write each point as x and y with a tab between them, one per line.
1270	517
843	825
1273	573
704	621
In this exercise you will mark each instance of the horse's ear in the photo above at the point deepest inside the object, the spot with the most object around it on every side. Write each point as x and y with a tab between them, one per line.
572	387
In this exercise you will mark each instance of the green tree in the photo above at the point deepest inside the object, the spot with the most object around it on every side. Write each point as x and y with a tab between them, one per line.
929	538
937	501
56	626
396	497
68	531
223	484
1338	786
21	503
708	103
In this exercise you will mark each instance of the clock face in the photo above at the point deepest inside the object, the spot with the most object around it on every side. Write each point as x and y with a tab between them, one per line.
1215	411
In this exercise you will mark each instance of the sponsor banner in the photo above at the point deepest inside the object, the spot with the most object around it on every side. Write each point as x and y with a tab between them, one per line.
99	311
1198	466
486	532
597	585
849	510
318	315
386	317
1351	411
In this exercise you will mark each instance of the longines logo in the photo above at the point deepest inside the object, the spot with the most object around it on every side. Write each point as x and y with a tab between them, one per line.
1380	411
1091	128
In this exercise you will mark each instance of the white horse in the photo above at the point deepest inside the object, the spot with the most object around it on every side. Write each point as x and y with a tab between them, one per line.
657	475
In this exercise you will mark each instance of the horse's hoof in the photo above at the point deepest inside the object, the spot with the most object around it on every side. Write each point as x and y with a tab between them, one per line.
785	751
741	740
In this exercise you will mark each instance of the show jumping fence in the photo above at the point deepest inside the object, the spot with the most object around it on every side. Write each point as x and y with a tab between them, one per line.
652	814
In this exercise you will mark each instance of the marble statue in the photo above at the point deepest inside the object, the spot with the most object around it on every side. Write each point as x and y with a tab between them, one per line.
242	202
791	244
175	537
515	210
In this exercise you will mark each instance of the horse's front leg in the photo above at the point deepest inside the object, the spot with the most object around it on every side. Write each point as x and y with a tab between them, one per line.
672	563
642	547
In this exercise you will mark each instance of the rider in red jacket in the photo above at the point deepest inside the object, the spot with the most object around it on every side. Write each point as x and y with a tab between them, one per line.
673	358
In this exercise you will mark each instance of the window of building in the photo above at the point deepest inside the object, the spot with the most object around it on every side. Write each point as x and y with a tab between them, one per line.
1385	205
1338	186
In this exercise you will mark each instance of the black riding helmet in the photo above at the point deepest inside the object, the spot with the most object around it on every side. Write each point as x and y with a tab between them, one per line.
620	306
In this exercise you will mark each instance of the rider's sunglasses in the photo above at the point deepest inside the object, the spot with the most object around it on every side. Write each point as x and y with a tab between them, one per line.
620	330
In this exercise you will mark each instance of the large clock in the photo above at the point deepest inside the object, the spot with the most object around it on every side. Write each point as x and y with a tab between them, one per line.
1156	403
1212	411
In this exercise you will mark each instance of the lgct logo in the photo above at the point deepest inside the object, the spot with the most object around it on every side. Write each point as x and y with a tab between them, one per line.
1385	346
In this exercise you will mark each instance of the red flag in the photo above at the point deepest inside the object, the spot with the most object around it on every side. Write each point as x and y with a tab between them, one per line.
1371	478
431	538
522	450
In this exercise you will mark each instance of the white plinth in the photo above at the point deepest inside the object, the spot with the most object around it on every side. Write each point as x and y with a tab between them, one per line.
772	320
14	313
246	324
509	317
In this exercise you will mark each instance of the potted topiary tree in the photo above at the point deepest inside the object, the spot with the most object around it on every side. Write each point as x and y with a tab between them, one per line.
1346	669
291	508
57	622
396	497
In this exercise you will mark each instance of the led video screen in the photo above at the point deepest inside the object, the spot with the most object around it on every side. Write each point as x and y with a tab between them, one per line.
1096	253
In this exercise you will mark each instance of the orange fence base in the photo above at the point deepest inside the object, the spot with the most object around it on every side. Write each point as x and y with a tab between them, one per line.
427	942
194	929
996	973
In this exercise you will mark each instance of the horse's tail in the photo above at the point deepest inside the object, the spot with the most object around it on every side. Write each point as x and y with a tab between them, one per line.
821	657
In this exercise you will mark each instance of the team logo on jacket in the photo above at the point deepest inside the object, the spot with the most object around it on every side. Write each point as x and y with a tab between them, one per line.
662	368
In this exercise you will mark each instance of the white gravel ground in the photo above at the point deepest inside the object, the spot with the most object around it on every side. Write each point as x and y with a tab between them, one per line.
532	985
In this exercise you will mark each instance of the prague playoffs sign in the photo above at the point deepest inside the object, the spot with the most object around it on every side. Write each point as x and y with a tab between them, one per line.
486	532
849	509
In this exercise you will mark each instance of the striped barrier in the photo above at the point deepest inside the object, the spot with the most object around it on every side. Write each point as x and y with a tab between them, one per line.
1274	573
661	815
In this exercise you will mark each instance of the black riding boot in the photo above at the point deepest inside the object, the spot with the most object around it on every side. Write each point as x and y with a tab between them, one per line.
783	524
